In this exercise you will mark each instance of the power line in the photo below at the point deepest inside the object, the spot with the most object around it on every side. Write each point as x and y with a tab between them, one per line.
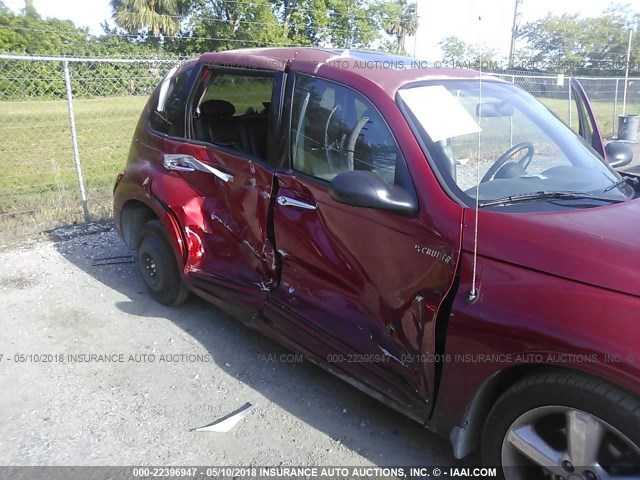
347	15
328	28
324	31
214	19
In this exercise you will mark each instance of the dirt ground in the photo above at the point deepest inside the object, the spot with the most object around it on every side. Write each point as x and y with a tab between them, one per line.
169	370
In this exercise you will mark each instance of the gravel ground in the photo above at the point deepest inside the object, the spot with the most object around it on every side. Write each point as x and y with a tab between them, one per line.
141	410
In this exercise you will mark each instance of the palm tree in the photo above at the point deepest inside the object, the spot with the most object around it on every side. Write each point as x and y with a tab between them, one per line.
157	16
402	23
409	23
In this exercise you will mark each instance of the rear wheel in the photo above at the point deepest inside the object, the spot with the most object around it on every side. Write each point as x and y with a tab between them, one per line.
157	266
567	427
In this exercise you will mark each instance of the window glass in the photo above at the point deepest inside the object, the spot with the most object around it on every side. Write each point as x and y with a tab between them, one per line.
335	129
571	116
232	112
168	115
247	93
496	133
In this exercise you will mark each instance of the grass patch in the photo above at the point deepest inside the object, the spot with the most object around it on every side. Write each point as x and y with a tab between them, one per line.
41	190
604	112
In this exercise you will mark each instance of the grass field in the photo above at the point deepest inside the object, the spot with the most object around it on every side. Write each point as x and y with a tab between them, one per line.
39	188
604	112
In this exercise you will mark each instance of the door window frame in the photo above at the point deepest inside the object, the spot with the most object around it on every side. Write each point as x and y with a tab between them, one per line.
274	115
588	123
402	174
154	102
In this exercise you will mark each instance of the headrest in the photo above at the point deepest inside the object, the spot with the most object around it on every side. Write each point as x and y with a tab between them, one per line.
217	108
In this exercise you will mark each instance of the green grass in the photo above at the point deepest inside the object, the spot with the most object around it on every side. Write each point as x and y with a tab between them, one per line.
39	187
604	112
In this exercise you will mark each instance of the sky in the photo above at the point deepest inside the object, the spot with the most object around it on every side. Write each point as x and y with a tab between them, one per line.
438	18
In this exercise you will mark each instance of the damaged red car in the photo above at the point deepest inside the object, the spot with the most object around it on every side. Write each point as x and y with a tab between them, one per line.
437	238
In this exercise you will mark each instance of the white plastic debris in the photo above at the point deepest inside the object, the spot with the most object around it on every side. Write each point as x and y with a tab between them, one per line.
227	422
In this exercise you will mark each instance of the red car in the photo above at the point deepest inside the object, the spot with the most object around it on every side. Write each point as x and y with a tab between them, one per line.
435	237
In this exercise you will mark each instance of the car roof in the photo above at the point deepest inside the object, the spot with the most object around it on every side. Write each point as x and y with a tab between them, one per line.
389	71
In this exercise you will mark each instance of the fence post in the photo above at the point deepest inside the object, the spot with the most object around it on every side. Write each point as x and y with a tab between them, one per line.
74	140
570	102
513	81
615	111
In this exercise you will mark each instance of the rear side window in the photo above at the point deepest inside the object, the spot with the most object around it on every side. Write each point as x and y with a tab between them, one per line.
232	111
336	129
169	113
249	94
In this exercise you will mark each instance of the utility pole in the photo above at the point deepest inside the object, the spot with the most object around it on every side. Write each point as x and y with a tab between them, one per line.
415	36
626	74
514	32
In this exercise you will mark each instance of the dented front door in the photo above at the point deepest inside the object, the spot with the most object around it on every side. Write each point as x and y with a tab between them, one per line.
359	288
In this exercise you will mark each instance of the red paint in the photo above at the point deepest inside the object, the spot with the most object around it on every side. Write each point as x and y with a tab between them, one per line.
354	282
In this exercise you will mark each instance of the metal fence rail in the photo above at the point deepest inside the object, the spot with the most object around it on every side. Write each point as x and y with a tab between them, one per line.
66	125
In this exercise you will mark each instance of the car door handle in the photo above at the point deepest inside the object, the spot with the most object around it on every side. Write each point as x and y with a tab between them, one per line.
186	163
178	163
290	202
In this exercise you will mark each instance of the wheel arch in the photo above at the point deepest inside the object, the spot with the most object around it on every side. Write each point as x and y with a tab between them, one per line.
466	438
135	214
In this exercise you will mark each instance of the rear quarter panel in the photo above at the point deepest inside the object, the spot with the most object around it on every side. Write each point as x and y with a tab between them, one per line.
144	164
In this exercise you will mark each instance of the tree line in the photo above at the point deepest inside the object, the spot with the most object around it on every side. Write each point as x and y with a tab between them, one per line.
556	43
190	27
565	43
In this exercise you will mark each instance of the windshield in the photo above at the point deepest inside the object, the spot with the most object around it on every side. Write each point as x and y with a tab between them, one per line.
496	141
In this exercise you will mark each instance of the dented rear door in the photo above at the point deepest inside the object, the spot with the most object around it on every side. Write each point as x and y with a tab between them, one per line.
224	213
220	191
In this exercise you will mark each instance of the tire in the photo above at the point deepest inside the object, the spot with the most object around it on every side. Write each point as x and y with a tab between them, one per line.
157	266
544	411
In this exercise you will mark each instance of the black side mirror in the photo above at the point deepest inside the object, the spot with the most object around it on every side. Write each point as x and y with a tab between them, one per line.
618	154
362	188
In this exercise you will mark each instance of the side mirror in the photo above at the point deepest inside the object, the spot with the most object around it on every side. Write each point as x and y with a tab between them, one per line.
362	188
618	154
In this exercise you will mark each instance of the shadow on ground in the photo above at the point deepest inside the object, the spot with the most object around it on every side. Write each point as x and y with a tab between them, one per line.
305	391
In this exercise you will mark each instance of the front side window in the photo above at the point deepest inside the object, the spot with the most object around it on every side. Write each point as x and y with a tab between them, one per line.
335	129
497	141
232	111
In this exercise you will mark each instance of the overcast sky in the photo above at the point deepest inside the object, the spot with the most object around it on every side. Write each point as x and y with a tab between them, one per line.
438	18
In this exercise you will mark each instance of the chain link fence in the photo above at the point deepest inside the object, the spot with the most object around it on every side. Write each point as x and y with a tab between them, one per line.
66	125
606	95
65	129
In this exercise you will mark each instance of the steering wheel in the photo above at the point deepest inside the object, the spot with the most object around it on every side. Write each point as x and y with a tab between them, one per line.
506	156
